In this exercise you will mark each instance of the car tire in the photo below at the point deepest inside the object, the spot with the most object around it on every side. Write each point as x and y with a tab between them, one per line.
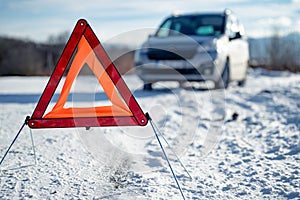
223	82
147	86
242	83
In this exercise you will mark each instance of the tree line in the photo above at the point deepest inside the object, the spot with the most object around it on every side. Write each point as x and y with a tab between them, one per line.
21	57
26	58
277	52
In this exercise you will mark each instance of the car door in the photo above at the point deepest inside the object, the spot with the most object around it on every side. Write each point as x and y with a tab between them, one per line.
238	49
243	54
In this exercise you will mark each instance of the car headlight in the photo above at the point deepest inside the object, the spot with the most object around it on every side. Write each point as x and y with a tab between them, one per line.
139	52
207	46
144	48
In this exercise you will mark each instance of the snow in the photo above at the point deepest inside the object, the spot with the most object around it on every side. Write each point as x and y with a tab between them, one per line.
241	143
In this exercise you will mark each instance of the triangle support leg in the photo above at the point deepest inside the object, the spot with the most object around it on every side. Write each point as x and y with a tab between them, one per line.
33	147
163	150
178	159
16	137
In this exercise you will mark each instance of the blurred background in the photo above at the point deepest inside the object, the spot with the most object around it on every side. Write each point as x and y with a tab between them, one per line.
33	33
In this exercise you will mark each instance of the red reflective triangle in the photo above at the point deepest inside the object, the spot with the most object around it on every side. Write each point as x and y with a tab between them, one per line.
124	111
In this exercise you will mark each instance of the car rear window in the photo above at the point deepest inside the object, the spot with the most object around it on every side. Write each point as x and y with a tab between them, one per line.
200	25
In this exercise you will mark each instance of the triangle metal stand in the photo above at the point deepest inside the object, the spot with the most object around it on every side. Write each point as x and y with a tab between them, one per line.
165	155
16	137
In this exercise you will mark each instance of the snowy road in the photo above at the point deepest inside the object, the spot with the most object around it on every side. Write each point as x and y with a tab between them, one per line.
242	143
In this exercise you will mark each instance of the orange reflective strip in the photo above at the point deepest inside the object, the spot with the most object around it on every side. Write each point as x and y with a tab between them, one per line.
86	55
103	111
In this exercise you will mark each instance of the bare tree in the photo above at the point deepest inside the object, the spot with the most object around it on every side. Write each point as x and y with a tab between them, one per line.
60	38
274	49
283	51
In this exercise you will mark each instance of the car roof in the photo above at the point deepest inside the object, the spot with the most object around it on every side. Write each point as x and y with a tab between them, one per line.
220	13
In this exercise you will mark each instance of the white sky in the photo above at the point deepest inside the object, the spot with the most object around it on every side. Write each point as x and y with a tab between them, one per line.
37	19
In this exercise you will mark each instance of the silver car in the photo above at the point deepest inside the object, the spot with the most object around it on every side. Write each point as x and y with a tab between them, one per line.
195	47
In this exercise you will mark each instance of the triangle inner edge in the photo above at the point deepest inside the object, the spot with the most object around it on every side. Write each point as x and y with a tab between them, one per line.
86	91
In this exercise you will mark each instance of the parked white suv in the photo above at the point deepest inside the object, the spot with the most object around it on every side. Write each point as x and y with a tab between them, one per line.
195	47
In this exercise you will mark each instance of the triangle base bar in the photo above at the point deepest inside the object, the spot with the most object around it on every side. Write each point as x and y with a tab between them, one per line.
82	122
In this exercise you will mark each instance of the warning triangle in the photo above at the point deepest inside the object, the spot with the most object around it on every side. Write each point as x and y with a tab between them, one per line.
87	50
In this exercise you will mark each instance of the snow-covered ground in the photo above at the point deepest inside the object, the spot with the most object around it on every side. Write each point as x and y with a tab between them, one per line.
242	143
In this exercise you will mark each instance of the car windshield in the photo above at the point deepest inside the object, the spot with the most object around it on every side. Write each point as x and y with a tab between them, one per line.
199	25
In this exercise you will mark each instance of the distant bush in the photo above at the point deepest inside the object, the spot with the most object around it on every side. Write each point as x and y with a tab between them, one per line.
284	52
277	52
18	57
122	57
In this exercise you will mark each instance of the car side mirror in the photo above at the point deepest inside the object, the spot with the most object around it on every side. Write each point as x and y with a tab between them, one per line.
150	35
235	35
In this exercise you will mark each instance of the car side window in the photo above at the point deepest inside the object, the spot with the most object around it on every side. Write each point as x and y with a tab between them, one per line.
164	30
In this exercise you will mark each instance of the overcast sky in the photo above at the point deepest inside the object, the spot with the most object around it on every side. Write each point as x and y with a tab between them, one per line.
117	19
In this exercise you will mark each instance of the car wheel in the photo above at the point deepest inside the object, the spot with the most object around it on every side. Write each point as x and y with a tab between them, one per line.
223	82
242	82
148	86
